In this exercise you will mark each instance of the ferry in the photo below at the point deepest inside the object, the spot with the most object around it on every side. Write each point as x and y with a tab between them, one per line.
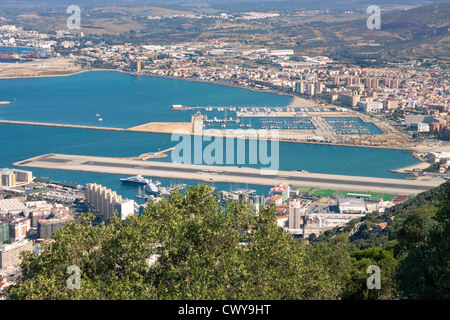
177	107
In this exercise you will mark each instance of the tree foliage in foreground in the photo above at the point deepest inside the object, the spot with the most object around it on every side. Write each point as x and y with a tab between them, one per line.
424	251
184	247
188	247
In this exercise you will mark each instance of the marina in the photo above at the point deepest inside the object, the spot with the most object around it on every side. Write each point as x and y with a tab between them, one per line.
348	126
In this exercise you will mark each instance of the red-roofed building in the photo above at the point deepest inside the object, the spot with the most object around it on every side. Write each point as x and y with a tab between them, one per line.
399	198
275	199
282	190
379	227
283	209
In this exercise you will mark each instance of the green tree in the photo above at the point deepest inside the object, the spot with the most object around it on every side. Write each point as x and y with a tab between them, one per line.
183	247
424	270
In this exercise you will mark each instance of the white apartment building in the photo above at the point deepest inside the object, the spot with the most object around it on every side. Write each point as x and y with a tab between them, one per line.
108	202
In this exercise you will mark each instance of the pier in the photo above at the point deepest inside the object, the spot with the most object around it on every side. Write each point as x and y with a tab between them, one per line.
154	127
43	124
227	174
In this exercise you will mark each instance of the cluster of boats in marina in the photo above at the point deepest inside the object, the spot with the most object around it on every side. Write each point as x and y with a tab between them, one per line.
346	126
283	118
224	122
287	124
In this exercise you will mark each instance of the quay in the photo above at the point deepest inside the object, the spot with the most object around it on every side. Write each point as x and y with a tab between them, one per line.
227	174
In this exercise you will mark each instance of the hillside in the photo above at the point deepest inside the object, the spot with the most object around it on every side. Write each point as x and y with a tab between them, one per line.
421	31
360	229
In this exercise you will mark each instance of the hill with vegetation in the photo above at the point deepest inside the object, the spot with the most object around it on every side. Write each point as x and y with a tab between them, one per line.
405	34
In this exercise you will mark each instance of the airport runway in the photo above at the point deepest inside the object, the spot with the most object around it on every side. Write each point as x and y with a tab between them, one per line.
239	175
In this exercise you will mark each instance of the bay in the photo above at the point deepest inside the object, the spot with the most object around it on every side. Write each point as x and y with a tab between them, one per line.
125	100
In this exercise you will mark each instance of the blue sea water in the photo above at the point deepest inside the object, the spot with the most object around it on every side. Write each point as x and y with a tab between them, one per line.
124	101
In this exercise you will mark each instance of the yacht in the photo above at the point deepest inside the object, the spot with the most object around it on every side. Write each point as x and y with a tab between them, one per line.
151	187
136	180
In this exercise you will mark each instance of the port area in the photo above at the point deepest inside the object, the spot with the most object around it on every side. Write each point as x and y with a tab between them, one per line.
228	174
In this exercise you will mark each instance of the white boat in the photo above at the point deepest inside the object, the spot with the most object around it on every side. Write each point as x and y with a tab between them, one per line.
100	119
136	180
151	187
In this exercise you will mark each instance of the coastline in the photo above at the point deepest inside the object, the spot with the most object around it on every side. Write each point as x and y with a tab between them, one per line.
296	101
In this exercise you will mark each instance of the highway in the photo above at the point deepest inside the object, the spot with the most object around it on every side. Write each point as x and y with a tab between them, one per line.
244	175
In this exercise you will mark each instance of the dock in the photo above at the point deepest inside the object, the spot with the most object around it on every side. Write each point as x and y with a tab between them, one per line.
227	174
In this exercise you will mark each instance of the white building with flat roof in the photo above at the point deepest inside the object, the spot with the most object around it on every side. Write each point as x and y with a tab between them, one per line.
352	205
12	206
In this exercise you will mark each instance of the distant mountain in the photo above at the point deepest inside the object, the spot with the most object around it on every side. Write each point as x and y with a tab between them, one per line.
251	4
421	31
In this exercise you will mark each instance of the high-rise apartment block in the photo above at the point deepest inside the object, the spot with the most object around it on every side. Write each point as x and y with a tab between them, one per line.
10	253
108	202
11	177
296	213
